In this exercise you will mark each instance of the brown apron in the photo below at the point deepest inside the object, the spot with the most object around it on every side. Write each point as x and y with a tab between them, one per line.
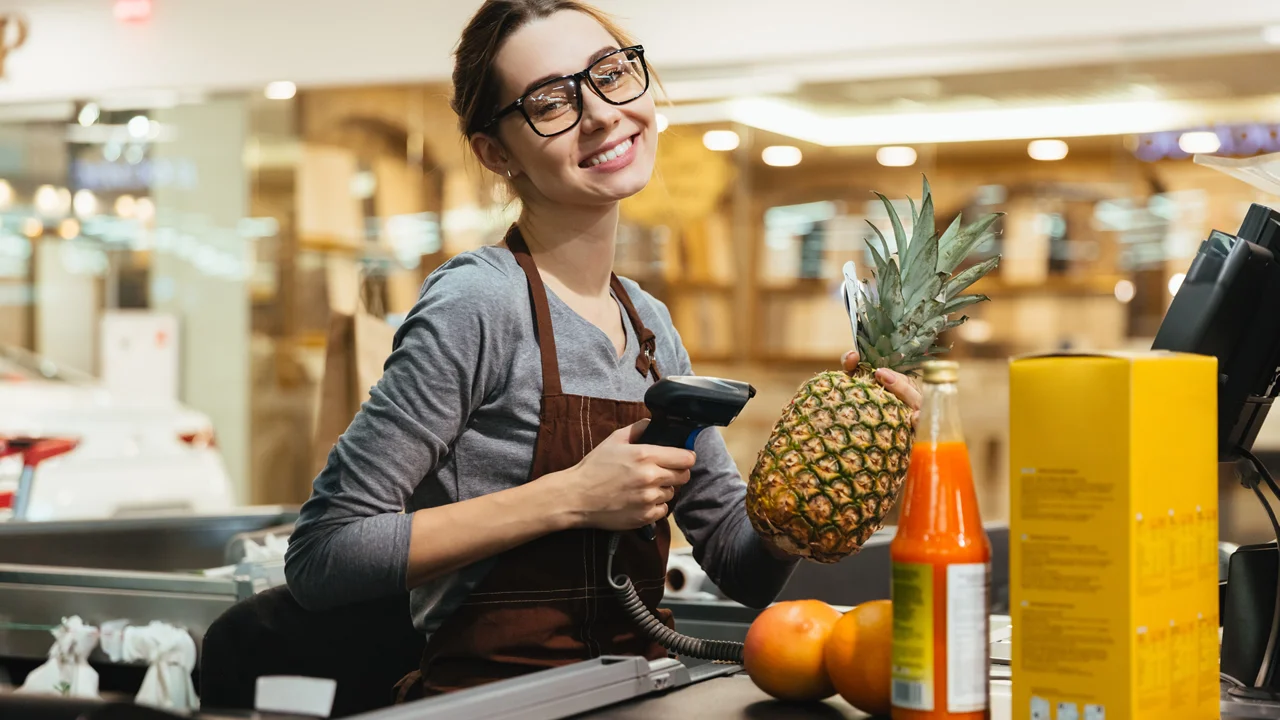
548	603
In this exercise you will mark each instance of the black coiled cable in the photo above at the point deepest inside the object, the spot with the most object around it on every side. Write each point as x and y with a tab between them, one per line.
725	651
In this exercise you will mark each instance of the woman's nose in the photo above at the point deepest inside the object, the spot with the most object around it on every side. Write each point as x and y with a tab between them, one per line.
598	114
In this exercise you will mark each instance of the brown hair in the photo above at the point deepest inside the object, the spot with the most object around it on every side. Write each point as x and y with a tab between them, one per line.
475	86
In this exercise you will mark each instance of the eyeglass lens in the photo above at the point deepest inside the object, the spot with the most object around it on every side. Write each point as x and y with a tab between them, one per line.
554	107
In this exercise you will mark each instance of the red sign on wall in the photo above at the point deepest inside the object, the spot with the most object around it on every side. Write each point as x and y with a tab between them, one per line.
132	10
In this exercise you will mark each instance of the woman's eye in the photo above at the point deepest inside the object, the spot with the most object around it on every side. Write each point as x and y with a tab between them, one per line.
550	107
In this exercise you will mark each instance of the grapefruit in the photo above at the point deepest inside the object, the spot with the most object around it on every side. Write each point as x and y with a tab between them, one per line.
859	656
784	653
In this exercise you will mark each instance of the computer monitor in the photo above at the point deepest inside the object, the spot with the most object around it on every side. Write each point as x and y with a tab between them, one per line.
1228	306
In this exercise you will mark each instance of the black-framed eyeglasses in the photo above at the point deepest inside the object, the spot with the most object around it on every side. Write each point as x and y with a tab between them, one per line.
555	106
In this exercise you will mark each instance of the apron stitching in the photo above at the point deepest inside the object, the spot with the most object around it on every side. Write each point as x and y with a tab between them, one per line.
582	423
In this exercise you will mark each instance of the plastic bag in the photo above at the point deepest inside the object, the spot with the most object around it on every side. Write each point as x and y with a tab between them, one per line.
1261	171
171	654
272	548
67	671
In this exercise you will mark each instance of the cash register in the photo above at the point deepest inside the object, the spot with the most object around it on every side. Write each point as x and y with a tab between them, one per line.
1227	307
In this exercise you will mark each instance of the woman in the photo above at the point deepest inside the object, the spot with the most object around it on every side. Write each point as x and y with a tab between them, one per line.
504	426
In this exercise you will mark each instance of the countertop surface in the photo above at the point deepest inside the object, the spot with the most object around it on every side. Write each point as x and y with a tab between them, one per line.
724	698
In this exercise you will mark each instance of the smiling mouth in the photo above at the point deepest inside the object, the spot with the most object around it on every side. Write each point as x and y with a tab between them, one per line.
612	153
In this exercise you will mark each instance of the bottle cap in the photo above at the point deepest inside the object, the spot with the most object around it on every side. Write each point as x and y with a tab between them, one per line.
937	372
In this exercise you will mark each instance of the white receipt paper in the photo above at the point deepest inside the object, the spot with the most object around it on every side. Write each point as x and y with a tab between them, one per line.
295	694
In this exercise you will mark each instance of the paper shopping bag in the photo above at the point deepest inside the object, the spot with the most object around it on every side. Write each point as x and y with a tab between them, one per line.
356	349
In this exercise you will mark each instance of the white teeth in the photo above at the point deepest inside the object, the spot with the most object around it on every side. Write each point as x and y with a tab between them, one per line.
617	151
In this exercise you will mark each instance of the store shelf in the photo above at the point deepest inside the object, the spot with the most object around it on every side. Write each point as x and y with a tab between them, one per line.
328	245
802	287
1058	285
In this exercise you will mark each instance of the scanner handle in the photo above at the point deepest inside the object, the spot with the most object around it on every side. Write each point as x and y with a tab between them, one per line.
668	432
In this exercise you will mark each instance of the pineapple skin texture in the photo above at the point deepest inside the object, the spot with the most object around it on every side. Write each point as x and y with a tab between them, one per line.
833	467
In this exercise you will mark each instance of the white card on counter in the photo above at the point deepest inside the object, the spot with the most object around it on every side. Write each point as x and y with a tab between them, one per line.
295	694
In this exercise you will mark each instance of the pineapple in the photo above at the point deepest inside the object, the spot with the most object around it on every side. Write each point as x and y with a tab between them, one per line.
836	460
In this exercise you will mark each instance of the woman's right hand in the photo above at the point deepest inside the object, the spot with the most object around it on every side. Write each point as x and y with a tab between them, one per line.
621	485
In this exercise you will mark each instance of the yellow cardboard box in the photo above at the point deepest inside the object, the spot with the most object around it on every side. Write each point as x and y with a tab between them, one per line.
1114	527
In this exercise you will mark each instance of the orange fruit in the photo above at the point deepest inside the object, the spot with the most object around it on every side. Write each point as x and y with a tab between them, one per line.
859	656
785	649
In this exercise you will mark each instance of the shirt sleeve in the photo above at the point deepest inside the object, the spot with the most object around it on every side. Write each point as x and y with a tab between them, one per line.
351	540
711	512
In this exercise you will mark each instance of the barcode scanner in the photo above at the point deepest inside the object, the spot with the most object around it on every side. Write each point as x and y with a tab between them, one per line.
682	406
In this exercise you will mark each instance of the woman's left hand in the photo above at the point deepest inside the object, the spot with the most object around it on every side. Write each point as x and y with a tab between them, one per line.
893	381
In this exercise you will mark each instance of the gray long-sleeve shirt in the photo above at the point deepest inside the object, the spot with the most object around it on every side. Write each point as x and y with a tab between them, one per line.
455	416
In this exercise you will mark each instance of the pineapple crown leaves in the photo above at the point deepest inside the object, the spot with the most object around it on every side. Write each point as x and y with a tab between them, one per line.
915	286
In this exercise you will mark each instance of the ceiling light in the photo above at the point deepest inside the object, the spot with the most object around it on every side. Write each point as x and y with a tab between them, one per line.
1175	282
89	114
978	124
720	140
1125	291
896	156
139	126
781	155
1047	150
663	122
32	228
69	229
48	201
280	90
125	206
1199	142
144	209
6	194
85	203
1271	34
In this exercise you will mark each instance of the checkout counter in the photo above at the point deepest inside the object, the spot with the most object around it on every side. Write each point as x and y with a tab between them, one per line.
623	687
185	570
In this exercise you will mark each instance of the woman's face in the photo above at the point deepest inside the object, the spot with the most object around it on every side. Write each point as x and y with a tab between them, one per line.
568	168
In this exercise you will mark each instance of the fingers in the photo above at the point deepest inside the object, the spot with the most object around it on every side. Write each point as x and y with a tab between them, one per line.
851	360
901	386
659	477
658	495
669	457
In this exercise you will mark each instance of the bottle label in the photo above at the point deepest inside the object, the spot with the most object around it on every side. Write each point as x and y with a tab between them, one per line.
968	637
912	595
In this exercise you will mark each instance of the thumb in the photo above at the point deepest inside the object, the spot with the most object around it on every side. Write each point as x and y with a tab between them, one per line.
636	430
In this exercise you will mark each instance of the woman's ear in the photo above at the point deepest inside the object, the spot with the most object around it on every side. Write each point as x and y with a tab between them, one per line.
489	151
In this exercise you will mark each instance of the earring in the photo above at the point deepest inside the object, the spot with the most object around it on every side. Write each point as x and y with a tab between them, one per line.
509	175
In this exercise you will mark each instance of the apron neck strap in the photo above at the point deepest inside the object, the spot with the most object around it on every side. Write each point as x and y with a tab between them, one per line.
541	313
646	361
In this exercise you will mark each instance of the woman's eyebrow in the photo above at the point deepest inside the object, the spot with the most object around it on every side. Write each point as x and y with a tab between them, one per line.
552	76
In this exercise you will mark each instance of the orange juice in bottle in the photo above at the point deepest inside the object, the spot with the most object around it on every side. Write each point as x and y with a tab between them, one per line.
941	559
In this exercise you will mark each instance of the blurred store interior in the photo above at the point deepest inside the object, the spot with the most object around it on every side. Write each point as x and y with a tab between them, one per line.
230	172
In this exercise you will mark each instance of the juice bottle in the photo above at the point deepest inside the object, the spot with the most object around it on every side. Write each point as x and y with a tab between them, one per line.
941	559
